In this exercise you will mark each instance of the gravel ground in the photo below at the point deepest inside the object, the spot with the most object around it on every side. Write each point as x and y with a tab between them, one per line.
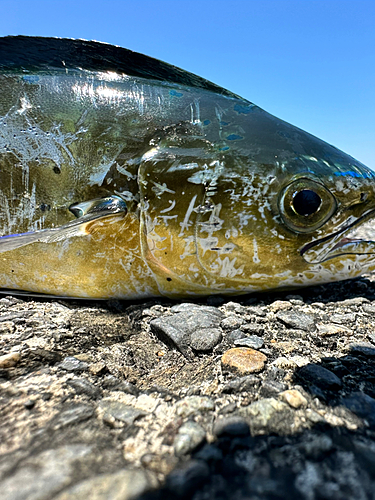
270	396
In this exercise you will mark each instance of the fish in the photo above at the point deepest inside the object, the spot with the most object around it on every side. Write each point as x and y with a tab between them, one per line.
125	177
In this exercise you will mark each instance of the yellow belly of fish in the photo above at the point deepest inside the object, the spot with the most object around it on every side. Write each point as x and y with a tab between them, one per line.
106	263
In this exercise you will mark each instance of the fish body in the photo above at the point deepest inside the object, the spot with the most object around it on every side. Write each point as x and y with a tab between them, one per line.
122	176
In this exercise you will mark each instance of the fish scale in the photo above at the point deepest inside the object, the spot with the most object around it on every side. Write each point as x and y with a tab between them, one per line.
125	177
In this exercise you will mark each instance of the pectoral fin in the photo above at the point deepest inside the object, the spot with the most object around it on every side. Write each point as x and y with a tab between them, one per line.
87	212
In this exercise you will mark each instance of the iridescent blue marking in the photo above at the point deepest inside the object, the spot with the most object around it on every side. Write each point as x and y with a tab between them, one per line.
244	110
225	148
234	137
224	124
30	78
174	93
352	173
206	122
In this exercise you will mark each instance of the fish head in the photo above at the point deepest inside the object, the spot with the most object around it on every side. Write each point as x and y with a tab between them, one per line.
234	225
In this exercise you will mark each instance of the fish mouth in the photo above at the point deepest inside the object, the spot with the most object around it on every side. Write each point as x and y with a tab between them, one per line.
338	244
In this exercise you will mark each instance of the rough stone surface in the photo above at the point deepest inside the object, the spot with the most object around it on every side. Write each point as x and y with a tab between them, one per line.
243	360
98	395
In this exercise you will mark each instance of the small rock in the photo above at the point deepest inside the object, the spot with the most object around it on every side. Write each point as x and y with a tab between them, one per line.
252	328
186	307
83	386
280	305
241	384
122	485
232	322
72	364
272	388
29	404
205	339
252	341
190	435
234	335
297	320
190	405
362	405
9	360
294	398
363	348
331	329
284	363
97	368
243	360
116	410
343	318
231	426
319	376
371	337
270	415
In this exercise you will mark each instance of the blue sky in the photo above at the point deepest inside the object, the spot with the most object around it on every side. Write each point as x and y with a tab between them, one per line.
310	62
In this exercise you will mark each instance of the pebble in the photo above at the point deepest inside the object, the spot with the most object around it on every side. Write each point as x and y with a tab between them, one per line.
190	405
189	308
243	360
122	485
319	376
297	320
205	339
252	341
241	384
72	364
231	426
176	330
362	405
189	437
270	415
9	360
371	337
284	363
232	322
272	388
294	398
333	329
252	328
280	305
116	410
364	348
234	335
83	386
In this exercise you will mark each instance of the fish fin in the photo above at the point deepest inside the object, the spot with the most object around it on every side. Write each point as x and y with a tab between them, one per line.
48	54
88	212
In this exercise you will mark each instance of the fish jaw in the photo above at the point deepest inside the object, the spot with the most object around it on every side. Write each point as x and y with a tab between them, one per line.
339	244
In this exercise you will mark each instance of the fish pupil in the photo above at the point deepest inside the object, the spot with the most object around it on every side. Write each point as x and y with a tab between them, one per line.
306	202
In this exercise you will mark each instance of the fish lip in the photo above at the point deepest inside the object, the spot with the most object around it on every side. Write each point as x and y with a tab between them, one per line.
341	243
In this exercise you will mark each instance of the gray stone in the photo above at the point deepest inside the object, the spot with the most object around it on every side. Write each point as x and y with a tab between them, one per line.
241	384
234	335
270	415
191	405
297	320
117	410
73	415
176	330
186	307
252	341
43	475
190	435
72	364
124	484
205	339
232	322
252	328
83	386
319	376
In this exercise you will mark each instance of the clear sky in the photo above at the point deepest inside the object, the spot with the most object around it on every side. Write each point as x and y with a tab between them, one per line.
310	62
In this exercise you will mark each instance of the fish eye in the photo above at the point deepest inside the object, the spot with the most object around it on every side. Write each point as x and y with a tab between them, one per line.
306	202
305	205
